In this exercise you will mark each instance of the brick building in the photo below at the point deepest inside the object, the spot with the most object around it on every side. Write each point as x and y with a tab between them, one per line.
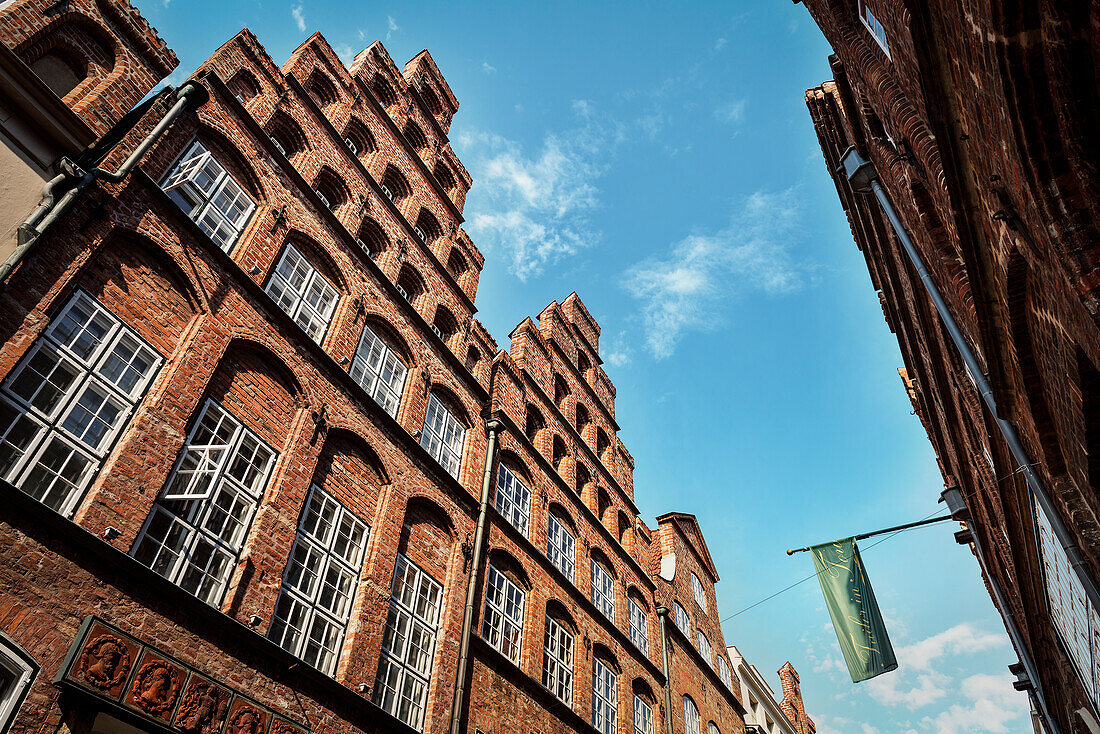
978	117
764	714
262	469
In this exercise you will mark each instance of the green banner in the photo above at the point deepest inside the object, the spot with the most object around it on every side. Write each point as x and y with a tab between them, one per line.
851	601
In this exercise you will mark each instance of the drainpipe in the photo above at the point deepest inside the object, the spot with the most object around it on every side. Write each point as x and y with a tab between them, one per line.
190	96
662	614
863	178
492	427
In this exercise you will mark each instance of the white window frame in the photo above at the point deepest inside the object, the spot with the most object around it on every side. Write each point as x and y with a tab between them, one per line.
438	332
386	191
324	199
351	145
682	619
875	28
698	592
415	603
603	589
712	728
219	205
502	622
691	716
278	146
22	669
639	625
443	436
643	716
85	360
379	370
320	582
300	290
561	546
513	499
421	234
605	697
703	644
557	667
194	510
724	672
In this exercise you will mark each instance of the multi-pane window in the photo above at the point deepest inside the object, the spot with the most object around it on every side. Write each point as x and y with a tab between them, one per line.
682	620
605	695
303	293
195	532
560	546
691	716
443	436
311	616
639	626
513	499
379	370
503	619
703	644
557	669
643	716
65	403
698	592
872	24
724	672
603	590
17	672
204	189
712	728
408	644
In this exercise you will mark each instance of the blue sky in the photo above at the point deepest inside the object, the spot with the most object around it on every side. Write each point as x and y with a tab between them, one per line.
660	161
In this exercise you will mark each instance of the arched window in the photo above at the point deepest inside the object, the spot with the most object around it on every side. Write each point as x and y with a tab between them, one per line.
383	90
430	99
691	716
603	589
682	621
415	136
394	184
444	324
559	452
639	623
473	358
561	545
703	644
332	192
381	372
405	667
583	419
583	478
561	392
359	139
409	284
605	696
643	714
513	499
724	672
59	71
329	545
557	667
534	423
243	86
303	293
699	592
372	238
444	176
443	435
202	188
89	366
321	88
286	135
583	363
602	445
712	728
456	264
502	624
427	227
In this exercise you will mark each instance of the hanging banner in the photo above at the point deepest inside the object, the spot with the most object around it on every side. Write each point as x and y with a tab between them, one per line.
851	602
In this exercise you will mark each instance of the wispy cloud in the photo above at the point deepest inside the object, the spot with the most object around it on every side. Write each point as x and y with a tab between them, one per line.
687	289
488	68
731	112
362	35
391	26
346	53
299	17
720	43
535	206
991	704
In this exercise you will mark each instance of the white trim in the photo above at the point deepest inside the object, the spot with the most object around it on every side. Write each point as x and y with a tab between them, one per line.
23	668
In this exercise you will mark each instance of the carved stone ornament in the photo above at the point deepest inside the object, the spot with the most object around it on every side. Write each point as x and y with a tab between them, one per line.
283	727
245	720
203	707
104	663
155	687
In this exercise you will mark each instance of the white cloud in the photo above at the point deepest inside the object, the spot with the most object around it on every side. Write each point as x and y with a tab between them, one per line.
391	26
720	43
731	112
346	53
893	689
535	206
616	351
299	17
962	639
868	729
688	289
991	703
362	35
488	68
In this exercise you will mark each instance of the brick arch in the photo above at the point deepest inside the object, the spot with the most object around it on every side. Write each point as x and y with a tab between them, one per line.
517	465
346	460
607	656
604	560
254	384
393	337
559	612
321	88
288	133
319	258
626	531
633	592
81	39
427	536
244	84
228	154
357	131
374	236
558	510
533	423
450	399
511	567
640	687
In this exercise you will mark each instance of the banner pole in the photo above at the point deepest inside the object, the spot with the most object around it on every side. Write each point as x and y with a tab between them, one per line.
895	529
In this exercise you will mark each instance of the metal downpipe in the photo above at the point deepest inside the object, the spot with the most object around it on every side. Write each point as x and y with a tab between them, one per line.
190	95
492	427
662	614
863	178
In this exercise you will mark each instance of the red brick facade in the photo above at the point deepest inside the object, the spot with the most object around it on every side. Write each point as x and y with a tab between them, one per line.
977	115
352	170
